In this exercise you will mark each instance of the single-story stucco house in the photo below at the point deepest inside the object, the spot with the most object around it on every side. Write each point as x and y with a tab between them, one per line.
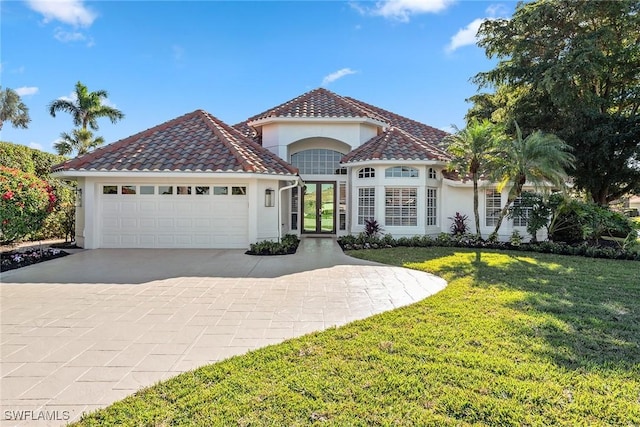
318	164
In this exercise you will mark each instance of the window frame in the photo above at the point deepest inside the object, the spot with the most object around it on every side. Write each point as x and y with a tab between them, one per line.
401	172
401	206
366	209
491	210
366	173
431	207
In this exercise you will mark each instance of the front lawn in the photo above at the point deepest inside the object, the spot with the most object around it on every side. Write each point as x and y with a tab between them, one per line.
515	339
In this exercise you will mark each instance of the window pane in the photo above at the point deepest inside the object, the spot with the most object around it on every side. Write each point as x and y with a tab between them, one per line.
109	189
492	208
366	204
401	172
181	189
319	161
522	219
401	207
431	206
128	189
220	191
147	189
238	191
202	190
165	189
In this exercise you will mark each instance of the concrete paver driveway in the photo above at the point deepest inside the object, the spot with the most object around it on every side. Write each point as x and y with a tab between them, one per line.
81	332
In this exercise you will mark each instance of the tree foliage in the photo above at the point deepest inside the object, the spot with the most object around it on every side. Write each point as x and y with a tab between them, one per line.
571	68
12	109
85	109
25	202
61	221
471	150
82	141
539	159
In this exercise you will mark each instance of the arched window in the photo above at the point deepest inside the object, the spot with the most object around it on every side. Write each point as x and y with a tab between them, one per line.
401	172
367	173
432	173
318	161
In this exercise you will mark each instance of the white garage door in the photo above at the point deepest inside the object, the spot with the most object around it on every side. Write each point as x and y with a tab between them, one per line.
173	216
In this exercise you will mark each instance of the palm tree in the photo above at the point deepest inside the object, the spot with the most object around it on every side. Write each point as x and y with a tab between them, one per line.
86	108
471	149
81	140
539	159
12	109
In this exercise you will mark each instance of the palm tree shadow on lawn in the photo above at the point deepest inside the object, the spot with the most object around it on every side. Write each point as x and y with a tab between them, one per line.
585	312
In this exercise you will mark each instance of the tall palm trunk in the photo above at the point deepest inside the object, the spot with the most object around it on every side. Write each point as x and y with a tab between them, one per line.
476	209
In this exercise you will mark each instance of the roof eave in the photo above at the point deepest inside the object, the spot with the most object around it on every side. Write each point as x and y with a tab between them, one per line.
167	174
361	120
413	162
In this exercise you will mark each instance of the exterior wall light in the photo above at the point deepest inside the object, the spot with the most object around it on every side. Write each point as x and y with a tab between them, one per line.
270	197
78	192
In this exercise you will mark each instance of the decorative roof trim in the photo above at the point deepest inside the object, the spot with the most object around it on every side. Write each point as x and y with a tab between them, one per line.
267	120
170	174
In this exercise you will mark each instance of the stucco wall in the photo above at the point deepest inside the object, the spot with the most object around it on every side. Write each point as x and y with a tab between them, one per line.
277	136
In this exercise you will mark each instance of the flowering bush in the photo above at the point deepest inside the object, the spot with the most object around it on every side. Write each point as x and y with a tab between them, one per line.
13	260
25	202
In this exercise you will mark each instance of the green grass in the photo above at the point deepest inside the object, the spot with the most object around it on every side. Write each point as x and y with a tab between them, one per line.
515	339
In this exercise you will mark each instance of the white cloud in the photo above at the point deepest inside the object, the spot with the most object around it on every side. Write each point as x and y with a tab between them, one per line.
465	36
72	12
35	145
402	10
337	75
497	10
26	90
469	35
68	36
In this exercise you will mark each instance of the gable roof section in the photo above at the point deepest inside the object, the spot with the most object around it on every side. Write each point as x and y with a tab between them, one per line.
417	129
194	142
396	144
317	103
321	102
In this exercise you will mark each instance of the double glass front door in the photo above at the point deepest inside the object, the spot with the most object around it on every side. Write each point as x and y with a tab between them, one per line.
318	208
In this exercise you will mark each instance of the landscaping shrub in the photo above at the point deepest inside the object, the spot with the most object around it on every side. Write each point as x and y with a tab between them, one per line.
576	221
372	228
626	251
288	245
459	225
25	202
60	222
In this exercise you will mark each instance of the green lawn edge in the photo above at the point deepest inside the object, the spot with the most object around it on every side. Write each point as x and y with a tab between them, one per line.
515	339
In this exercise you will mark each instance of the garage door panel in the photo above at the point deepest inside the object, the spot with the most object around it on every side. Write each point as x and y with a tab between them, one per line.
165	222
173	221
147	241
129	223
148	223
128	207
183	223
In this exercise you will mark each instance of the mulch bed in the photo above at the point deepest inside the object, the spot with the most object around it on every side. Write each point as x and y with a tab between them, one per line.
22	258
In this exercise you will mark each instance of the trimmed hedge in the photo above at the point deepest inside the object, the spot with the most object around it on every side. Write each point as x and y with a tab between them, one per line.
610	251
288	245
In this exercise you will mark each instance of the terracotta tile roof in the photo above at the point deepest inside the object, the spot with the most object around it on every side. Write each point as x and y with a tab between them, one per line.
396	144
317	103
417	129
248	131
195	142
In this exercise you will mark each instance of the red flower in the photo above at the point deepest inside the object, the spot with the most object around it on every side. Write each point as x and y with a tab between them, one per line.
8	195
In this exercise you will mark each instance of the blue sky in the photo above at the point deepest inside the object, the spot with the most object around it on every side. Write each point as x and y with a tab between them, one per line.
161	59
